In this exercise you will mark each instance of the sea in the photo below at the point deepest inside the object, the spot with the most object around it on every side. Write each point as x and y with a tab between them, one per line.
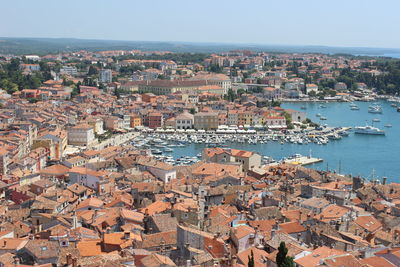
371	157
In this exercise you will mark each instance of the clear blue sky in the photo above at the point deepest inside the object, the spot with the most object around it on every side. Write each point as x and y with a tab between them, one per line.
365	23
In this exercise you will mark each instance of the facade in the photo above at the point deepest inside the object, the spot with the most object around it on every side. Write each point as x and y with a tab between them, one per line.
311	88
68	70
4	160
105	76
154	120
136	121
206	121
184	121
165	87
81	135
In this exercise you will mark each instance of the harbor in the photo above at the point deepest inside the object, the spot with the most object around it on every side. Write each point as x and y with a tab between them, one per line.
340	148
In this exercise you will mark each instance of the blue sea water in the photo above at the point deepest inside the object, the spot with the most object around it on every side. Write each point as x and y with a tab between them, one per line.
355	154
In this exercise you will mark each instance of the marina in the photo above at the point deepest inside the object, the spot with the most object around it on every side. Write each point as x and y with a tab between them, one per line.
333	143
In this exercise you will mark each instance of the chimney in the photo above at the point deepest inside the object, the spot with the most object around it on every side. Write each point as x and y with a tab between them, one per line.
272	233
234	260
384	180
127	235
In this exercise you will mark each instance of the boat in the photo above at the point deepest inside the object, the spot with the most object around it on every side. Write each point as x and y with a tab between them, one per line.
322	106
318	115
322	118
303	107
156	151
376	109
398	109
355	108
376	120
388	126
369	130
393	105
167	149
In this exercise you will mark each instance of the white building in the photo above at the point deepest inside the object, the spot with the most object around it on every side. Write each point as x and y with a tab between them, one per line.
311	88
105	76
81	135
184	121
68	70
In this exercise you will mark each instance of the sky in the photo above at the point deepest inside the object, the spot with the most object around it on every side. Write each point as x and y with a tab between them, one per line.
346	23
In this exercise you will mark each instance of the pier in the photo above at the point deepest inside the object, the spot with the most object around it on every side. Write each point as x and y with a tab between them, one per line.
303	160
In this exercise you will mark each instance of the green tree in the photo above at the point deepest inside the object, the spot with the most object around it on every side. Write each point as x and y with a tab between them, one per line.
92	71
192	111
281	258
251	260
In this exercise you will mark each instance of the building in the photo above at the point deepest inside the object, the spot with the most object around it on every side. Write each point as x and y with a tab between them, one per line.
184	121
136	121
68	70
105	76
295	115
311	88
340	86
248	159
206	121
220	80
4	160
81	135
154	120
166	87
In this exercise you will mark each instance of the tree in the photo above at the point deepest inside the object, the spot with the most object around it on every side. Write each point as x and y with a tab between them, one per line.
281	258
192	111
251	260
92	71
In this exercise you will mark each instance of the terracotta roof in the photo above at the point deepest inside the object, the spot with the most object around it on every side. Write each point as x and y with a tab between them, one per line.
369	223
88	248
292	227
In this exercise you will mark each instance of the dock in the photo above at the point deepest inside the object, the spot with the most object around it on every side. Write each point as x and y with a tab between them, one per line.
303	161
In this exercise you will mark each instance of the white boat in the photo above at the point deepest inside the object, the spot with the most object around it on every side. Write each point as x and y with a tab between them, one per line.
355	108
388	126
376	109
369	130
318	115
322	118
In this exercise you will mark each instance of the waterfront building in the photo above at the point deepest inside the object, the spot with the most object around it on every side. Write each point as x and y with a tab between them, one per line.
184	120
311	88
206	121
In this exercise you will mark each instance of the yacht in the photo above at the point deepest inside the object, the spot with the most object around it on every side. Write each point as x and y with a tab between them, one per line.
376	120
369	130
375	109
322	118
354	107
388	126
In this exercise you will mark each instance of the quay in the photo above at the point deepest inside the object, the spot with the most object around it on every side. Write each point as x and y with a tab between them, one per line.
303	160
